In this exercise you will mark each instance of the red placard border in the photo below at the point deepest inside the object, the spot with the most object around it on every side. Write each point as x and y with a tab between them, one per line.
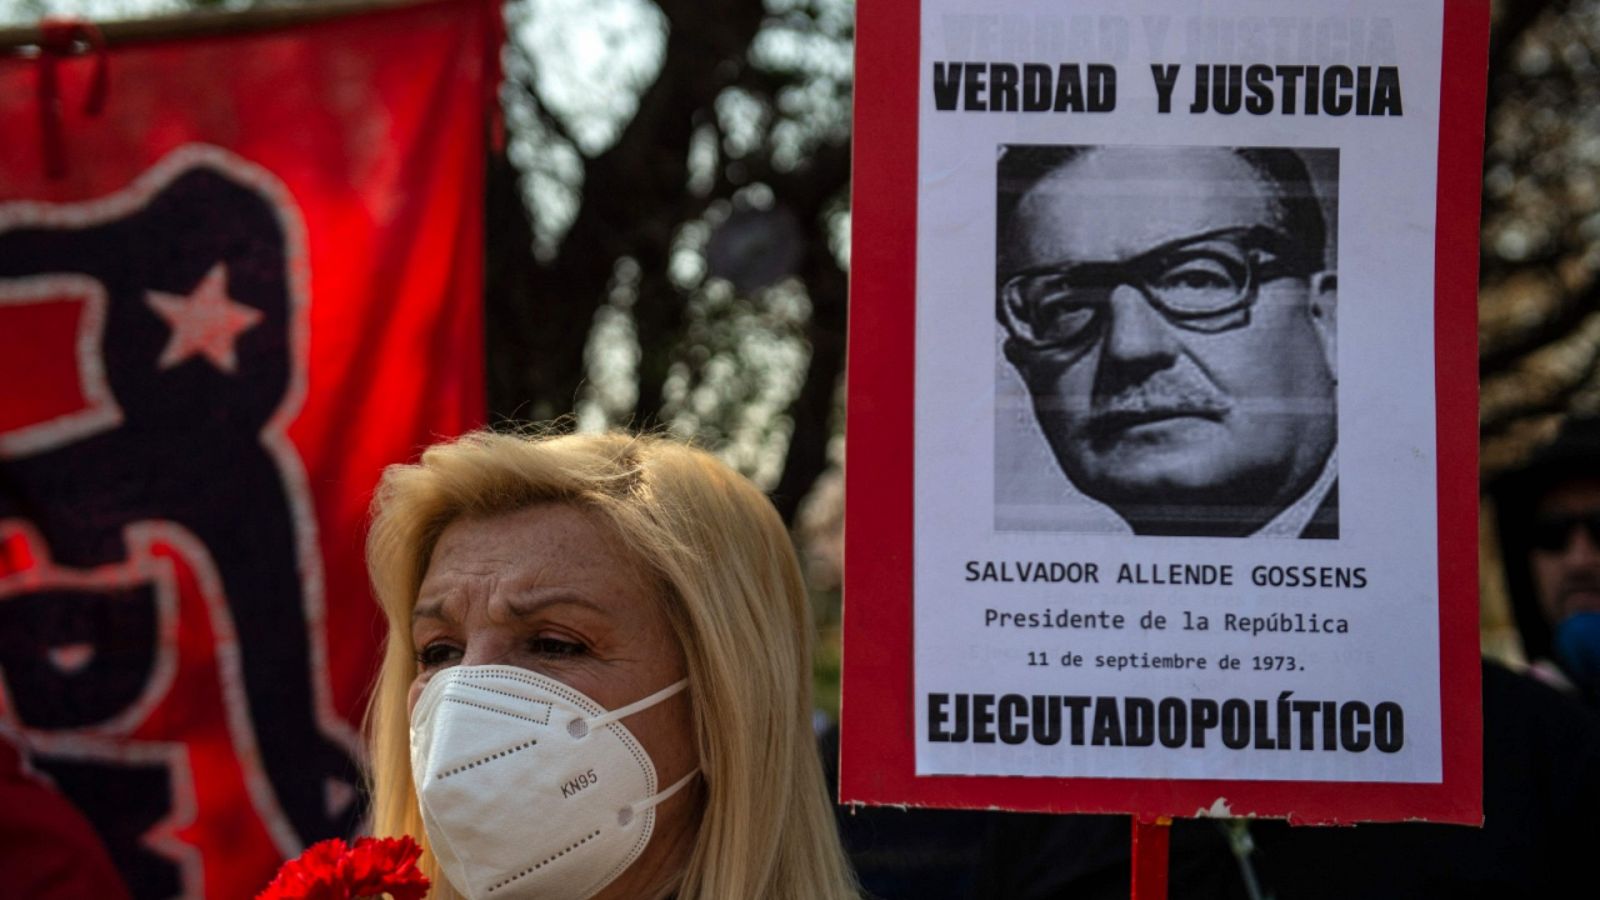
877	728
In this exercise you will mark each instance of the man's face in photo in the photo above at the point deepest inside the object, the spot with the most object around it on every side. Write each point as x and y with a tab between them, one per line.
1175	351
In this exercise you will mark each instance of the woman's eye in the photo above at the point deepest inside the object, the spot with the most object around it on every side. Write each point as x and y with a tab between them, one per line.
550	646
436	655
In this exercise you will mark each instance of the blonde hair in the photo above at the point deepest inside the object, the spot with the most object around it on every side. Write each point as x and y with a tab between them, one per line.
733	594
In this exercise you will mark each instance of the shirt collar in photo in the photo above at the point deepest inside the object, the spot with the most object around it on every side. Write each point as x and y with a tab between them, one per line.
1297	515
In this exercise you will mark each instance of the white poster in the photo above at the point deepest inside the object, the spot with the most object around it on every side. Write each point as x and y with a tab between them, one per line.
1175	465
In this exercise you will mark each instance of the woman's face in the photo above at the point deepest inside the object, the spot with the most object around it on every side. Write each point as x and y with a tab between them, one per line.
549	589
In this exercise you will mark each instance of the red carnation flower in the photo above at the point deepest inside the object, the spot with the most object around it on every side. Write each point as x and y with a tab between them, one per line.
329	870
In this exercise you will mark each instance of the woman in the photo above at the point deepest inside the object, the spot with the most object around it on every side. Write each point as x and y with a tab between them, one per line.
598	660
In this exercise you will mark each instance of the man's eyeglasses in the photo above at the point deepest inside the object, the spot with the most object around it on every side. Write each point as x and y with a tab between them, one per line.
1205	283
1551	533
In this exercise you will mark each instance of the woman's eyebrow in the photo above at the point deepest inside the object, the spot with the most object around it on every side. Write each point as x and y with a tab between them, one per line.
433	609
523	605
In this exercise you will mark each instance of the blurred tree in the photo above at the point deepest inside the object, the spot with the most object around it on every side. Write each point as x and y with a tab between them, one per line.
1539	306
668	228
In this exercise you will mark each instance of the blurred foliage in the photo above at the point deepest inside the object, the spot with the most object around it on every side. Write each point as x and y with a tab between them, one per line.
1539	306
683	170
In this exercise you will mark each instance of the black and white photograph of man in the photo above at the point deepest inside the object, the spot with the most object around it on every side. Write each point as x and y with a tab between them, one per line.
1171	313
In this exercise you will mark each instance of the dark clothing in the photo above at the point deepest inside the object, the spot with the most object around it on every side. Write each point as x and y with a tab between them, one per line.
927	854
1324	524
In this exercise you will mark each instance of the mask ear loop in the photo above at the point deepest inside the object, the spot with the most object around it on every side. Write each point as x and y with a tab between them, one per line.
580	728
627	813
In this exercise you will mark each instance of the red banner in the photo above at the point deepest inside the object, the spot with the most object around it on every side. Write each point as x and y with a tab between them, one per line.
229	296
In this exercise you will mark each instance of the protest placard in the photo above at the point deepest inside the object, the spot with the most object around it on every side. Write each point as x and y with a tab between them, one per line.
1161	474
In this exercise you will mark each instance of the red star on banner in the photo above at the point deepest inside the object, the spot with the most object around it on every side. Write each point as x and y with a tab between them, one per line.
207	321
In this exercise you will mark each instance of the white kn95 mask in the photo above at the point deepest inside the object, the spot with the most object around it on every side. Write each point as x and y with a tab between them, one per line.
528	788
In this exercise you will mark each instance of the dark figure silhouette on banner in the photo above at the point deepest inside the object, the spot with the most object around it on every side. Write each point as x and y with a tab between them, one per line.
190	364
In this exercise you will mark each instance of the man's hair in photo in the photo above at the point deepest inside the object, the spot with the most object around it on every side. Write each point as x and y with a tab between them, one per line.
1282	171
